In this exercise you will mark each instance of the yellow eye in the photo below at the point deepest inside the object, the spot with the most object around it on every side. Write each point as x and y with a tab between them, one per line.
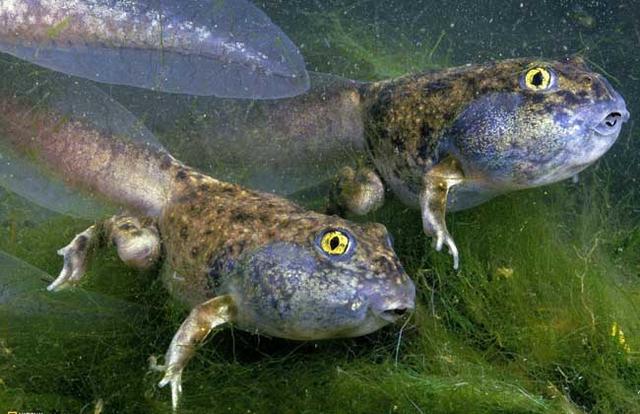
334	242
537	79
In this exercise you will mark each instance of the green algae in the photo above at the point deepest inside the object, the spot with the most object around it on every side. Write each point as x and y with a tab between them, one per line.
531	323
352	47
524	327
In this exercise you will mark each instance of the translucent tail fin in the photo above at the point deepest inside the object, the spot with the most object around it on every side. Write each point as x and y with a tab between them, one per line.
196	47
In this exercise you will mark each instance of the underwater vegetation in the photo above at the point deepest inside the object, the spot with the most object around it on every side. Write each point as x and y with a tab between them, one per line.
542	318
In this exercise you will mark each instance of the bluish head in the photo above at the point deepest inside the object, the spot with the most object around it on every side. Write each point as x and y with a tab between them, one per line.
322	277
534	122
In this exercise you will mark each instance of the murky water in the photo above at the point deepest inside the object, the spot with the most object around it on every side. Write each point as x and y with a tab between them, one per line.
542	317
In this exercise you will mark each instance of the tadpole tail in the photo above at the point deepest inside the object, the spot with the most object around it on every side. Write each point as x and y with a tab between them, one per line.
196	47
67	146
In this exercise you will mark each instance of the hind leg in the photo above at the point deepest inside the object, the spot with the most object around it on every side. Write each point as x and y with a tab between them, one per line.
137	242
356	191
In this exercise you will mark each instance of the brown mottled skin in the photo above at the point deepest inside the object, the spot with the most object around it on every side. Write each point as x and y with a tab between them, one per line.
408	118
208	218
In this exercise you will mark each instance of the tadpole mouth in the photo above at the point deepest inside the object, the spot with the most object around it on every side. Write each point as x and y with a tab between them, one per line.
612	122
395	313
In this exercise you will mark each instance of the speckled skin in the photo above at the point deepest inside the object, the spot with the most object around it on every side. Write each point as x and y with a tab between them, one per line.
221	238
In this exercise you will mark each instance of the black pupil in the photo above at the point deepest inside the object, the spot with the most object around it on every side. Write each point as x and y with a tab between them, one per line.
537	79
334	242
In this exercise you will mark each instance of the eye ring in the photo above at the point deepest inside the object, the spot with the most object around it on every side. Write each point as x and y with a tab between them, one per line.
335	243
538	79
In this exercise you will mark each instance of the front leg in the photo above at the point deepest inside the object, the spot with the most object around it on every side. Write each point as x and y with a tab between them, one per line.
202	319
433	203
136	240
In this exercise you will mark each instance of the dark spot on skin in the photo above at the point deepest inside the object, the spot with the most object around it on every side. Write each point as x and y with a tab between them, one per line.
166	163
424	150
194	252
472	83
449	116
82	243
218	265
241	216
126	226
237	248
384	265
204	187
398	143
136	233
548	108
561	117
187	198
537	98
181	175
570	98
599	90
437	85
184	232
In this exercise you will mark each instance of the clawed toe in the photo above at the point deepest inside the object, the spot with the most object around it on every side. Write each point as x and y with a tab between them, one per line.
154	366
442	239
172	375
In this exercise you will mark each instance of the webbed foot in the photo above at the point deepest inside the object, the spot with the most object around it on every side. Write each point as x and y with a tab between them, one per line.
358	192
433	204
75	260
202	319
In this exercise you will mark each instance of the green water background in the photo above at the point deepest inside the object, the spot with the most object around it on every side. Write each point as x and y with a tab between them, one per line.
532	323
